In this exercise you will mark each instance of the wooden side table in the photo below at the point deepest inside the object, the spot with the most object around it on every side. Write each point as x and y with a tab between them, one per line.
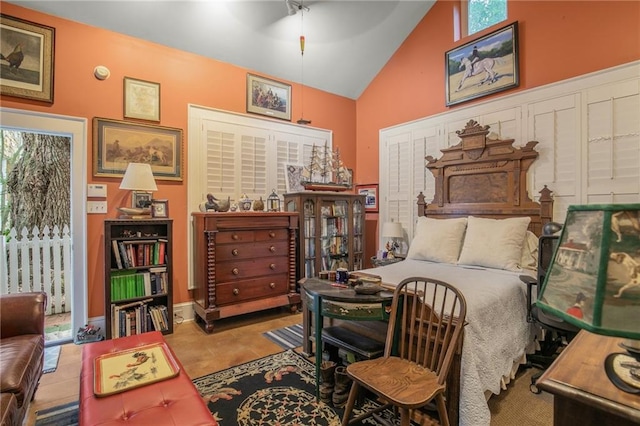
583	394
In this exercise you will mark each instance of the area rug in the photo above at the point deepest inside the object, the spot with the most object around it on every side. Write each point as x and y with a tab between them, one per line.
51	356
287	337
62	415
275	390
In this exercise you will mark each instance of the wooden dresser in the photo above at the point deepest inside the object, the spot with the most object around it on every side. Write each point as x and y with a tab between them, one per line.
244	262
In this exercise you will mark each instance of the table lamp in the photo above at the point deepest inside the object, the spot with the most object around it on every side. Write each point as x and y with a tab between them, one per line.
394	231
139	178
593	282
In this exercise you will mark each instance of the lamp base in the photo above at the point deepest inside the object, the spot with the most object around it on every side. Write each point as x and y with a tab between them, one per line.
624	371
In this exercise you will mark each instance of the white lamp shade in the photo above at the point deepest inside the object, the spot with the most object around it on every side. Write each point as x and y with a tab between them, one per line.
138	177
392	230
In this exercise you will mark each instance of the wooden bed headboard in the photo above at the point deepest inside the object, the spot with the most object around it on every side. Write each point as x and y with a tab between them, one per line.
486	178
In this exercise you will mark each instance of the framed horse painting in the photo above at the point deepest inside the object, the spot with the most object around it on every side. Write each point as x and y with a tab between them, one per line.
483	66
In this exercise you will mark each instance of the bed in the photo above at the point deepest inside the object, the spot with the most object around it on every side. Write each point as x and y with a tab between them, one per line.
480	234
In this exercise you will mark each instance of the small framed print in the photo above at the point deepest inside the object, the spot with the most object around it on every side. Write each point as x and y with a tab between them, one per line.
141	99
140	200
159	208
371	196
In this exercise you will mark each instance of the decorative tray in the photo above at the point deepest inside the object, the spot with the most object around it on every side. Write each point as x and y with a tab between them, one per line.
125	370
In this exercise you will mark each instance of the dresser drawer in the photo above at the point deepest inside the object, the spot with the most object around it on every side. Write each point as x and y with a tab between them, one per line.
235	237
241	269
249	251
243	290
272	234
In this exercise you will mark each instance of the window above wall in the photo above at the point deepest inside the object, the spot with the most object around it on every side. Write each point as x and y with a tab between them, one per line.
480	14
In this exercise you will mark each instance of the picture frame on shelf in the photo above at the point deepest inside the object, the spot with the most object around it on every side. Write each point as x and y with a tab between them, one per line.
117	143
268	97
141	200
28	70
370	192
495	66
293	177
141	99
160	208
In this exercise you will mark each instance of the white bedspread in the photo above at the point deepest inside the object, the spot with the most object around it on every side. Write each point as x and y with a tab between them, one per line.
497	332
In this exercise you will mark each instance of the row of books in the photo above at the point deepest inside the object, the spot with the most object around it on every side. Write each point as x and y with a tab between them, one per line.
335	226
131	254
128	284
137	318
334	246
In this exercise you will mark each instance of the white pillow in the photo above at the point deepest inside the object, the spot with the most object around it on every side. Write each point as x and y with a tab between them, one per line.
494	243
529	254
438	240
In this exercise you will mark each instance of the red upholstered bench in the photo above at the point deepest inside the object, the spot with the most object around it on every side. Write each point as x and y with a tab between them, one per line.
173	401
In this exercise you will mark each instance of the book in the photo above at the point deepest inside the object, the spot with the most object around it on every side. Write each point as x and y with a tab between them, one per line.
116	253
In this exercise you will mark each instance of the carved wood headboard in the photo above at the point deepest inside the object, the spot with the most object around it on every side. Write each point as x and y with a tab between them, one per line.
485	177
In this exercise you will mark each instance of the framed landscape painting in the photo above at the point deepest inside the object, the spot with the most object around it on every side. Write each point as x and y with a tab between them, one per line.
27	67
483	66
117	143
268	97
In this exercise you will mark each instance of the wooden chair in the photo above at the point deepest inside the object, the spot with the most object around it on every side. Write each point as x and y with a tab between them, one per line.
424	332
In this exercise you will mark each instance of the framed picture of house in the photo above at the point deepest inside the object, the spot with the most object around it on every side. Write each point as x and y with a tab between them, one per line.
27	48
268	97
117	143
141	99
483	66
370	193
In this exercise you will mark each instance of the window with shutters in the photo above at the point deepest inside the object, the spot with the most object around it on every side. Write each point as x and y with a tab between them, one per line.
481	14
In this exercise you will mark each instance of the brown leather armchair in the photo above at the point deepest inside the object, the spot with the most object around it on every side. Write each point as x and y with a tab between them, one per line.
21	353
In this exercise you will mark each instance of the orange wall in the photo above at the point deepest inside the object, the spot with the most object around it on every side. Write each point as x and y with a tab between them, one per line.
184	78
557	40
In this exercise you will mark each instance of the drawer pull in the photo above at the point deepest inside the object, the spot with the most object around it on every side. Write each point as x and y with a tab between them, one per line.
272	266
272	234
236	291
235	271
235	236
234	252
272	249
272	285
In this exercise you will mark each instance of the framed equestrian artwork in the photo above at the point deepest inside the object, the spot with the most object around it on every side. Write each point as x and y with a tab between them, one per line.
117	143
268	97
483	66
26	59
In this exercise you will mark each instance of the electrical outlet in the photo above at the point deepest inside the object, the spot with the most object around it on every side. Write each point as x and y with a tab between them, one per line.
97	207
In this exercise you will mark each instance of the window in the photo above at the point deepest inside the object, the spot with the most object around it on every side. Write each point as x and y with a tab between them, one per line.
482	14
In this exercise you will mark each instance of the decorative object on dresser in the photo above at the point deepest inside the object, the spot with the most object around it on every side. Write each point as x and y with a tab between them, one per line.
483	66
138	276
332	231
244	262
273	202
159	208
594	281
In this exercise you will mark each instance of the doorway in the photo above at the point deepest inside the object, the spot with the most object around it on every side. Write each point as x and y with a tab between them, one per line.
75	129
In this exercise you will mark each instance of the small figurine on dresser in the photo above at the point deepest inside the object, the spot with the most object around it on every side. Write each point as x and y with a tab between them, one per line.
258	205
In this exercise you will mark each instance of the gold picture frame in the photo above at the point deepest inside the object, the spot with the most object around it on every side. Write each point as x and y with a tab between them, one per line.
29	46
117	143
268	97
141	99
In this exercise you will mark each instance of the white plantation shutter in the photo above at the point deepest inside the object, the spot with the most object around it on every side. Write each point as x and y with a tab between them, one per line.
219	161
253	166
613	143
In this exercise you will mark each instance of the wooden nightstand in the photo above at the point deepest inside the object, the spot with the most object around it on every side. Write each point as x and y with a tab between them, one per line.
387	261
583	394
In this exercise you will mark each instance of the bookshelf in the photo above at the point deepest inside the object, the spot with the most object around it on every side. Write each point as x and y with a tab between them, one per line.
331	231
138	276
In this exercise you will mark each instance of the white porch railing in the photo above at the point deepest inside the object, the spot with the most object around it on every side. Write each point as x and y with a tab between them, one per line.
37	261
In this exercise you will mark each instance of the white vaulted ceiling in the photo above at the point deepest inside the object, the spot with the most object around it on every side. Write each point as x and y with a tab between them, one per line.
347	42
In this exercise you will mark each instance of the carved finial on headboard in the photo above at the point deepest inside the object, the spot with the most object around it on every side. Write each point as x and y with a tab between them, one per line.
473	139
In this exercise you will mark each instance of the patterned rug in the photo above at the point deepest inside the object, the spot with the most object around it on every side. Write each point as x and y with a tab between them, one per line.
62	415
287	337
275	390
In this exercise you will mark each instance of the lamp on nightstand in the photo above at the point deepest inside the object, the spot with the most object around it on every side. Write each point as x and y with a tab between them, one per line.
593	282
394	231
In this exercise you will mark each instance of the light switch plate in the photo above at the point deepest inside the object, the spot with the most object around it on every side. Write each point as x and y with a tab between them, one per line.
96	207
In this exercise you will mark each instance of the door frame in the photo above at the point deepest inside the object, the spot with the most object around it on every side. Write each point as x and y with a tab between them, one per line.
76	129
